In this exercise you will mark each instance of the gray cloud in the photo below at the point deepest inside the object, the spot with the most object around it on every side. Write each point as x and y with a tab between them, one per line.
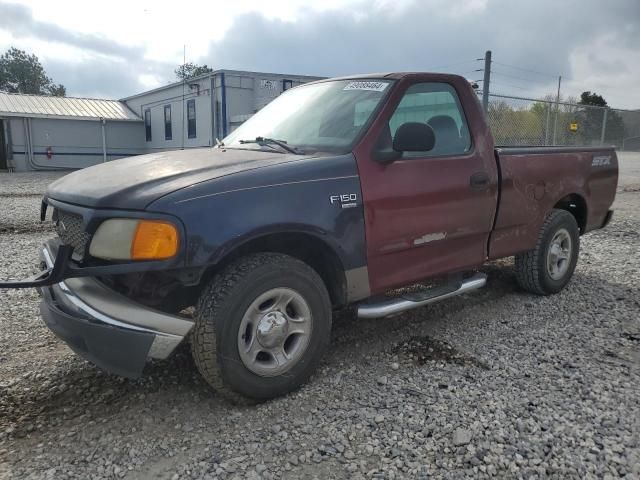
18	20
96	78
423	35
111	72
538	34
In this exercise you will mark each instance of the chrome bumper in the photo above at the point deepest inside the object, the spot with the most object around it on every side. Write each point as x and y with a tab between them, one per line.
106	327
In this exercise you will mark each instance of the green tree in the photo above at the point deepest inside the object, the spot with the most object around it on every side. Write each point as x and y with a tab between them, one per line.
588	98
23	73
189	70
592	119
58	90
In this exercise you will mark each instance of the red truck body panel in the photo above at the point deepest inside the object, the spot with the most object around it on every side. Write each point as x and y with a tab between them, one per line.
533	182
423	218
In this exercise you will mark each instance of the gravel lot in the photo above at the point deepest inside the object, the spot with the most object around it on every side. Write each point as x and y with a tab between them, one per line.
496	383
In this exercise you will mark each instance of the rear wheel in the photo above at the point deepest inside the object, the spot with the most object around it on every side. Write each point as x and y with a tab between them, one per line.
550	265
262	325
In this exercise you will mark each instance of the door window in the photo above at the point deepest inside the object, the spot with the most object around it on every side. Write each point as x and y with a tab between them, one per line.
437	105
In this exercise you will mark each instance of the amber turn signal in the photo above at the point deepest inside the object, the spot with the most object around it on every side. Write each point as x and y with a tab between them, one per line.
154	240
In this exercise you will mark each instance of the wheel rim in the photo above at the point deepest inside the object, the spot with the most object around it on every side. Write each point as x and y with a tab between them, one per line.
559	254
274	332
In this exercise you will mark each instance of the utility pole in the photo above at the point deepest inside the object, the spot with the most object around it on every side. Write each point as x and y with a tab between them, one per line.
485	82
555	122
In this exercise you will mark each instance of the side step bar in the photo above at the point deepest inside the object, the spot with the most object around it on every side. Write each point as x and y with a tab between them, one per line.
413	300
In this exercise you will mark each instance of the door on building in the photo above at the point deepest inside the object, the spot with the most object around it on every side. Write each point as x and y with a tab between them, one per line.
3	147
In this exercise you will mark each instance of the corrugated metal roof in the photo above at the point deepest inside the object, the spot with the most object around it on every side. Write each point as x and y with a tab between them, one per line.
18	105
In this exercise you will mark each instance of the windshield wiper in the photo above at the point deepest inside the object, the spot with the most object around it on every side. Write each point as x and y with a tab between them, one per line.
272	141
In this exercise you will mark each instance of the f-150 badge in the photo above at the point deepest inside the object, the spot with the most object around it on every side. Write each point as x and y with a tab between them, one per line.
346	200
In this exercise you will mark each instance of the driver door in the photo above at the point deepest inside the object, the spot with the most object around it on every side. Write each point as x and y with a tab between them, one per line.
429	212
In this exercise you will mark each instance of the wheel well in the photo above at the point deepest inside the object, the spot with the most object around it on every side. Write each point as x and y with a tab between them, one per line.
307	248
576	206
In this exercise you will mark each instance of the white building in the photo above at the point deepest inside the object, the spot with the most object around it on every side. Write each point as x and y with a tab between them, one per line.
38	132
48	133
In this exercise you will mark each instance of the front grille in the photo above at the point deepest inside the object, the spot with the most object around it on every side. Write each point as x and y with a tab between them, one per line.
71	232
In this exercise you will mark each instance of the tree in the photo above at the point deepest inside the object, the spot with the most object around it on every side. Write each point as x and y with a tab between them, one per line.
189	70
58	90
23	73
592	119
588	98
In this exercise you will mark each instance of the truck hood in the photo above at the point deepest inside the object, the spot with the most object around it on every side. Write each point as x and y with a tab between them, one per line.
133	183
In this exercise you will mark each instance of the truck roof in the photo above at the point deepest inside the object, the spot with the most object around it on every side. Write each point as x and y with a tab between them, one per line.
391	75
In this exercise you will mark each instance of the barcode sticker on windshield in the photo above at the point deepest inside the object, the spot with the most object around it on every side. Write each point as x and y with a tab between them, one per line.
372	86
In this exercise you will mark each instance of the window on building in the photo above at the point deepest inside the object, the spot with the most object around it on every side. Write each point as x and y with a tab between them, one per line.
191	118
167	122
147	124
287	84
437	105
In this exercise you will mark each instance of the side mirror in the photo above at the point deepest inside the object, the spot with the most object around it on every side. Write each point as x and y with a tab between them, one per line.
414	137
410	137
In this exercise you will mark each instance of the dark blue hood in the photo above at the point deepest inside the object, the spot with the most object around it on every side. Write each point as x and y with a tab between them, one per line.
133	183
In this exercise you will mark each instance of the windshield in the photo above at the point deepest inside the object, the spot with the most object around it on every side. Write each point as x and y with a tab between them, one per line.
325	116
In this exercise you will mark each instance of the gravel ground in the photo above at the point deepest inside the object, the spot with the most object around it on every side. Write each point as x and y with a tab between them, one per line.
20	195
496	383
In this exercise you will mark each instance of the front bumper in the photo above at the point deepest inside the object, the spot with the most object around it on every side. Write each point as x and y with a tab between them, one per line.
105	327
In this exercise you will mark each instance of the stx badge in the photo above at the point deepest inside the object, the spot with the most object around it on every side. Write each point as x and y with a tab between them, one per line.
601	161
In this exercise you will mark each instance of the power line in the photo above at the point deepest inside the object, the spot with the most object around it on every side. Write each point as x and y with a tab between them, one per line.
511	85
526	69
514	77
451	65
577	83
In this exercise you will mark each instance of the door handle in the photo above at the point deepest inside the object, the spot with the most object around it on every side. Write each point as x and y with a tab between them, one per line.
479	181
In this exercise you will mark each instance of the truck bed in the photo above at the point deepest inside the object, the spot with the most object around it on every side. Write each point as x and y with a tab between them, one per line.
534	180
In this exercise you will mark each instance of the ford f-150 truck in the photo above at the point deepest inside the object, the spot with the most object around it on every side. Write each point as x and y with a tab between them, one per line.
336	193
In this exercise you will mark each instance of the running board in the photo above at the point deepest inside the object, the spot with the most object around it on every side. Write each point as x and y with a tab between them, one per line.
415	300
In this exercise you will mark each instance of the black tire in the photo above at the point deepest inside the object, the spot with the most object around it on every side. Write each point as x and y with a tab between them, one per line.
532	271
219	314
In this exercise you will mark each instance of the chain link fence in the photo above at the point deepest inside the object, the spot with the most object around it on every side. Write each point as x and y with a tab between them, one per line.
520	121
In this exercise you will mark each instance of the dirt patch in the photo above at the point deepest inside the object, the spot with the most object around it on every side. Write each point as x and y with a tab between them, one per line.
423	350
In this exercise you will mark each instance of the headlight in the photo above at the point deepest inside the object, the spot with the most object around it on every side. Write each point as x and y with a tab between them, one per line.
132	239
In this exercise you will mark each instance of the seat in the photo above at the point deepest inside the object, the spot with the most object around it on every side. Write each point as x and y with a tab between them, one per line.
448	138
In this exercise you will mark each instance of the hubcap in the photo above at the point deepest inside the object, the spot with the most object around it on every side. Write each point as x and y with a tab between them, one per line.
274	332
559	254
272	329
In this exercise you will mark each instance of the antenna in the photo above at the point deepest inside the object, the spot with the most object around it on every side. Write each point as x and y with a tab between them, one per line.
184	82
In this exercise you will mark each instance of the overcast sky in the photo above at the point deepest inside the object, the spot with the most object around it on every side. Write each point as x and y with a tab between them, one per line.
117	48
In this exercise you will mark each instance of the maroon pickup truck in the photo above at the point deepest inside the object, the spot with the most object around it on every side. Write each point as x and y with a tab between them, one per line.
332	195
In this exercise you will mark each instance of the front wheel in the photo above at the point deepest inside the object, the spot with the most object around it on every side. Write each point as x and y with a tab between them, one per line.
262	325
549	266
